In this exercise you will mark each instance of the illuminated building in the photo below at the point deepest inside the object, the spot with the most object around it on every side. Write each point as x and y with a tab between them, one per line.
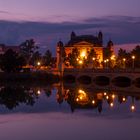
83	43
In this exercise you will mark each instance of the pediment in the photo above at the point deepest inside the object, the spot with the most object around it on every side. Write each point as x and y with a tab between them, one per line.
83	43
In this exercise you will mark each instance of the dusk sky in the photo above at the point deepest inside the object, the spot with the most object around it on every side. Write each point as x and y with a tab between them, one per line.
53	20
65	10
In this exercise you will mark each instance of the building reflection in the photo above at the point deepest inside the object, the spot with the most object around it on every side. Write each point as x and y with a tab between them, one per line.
88	99
76	98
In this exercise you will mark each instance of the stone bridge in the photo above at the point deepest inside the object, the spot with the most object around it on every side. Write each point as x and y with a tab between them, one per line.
117	77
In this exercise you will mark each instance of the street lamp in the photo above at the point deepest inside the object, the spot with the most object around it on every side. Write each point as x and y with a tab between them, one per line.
133	62
38	63
124	60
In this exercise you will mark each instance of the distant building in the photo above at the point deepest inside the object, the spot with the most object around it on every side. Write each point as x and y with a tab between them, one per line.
84	43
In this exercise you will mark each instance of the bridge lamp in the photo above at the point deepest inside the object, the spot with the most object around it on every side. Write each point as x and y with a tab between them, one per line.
133	63
124	60
105	62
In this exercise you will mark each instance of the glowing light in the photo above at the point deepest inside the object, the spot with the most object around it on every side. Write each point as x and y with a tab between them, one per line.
111	104
124	59
83	54
113	96
38	63
77	99
80	62
93	58
124	99
105	93
107	97
133	57
77	59
93	102
107	60
132	107
38	92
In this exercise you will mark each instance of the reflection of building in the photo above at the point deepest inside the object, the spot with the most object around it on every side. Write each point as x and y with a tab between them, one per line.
84	43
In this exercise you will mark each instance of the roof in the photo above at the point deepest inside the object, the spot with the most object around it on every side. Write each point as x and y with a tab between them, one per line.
88	38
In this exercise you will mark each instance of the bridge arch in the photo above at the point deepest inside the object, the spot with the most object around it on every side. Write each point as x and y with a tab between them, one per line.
137	82
102	80
122	81
69	78
84	79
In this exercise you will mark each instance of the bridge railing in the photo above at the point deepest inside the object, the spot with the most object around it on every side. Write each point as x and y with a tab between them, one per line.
102	70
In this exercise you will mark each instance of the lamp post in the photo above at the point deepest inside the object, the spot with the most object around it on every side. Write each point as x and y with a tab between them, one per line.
105	63
124	60
133	62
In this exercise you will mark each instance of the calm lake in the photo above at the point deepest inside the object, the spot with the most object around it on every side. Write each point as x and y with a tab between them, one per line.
68	112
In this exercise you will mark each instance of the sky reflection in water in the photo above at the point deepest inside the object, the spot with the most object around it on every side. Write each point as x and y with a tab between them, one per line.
68	113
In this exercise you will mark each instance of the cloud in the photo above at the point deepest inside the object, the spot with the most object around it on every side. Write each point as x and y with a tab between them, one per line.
121	29
4	12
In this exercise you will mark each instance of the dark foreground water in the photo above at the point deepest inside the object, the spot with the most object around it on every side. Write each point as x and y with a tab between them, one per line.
68	113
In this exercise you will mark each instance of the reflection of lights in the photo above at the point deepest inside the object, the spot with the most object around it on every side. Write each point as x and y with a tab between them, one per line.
38	92
111	104
38	63
107	97
132	107
113	96
105	93
93	102
124	99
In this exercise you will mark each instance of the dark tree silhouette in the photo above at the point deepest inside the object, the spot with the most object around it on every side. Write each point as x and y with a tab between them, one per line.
27	49
11	61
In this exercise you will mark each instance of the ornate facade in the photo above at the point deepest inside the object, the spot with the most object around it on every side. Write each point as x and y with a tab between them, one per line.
84	44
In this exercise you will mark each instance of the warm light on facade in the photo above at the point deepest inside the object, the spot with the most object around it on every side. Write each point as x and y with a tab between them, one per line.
83	54
80	62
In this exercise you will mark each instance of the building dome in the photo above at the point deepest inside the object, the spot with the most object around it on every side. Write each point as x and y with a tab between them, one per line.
60	44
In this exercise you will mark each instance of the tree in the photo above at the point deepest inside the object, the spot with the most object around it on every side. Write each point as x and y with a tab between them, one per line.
123	58
11	61
36	57
27	49
47	58
73	57
136	53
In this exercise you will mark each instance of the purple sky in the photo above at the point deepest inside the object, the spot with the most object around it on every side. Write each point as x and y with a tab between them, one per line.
65	10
